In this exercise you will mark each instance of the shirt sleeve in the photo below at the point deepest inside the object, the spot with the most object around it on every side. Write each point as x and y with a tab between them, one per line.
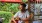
16	15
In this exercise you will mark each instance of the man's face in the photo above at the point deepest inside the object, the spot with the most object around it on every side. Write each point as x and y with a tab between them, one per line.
20	7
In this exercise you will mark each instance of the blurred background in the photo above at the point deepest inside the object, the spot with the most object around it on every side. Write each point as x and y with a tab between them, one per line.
8	8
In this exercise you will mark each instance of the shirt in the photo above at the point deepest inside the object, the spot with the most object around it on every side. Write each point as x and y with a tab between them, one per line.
21	15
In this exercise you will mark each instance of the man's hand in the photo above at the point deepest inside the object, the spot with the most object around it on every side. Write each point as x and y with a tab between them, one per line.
12	21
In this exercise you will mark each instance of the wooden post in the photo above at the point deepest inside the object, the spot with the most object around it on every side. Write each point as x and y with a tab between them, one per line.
31	14
28	5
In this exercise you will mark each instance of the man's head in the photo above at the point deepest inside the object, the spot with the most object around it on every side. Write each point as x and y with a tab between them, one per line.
22	6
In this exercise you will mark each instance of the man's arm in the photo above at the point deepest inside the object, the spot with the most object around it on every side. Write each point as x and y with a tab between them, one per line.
28	17
12	20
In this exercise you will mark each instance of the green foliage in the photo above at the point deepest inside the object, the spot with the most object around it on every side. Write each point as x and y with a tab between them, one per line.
9	7
6	15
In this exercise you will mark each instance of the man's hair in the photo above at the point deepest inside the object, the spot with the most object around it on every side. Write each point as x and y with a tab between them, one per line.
23	4
23	8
